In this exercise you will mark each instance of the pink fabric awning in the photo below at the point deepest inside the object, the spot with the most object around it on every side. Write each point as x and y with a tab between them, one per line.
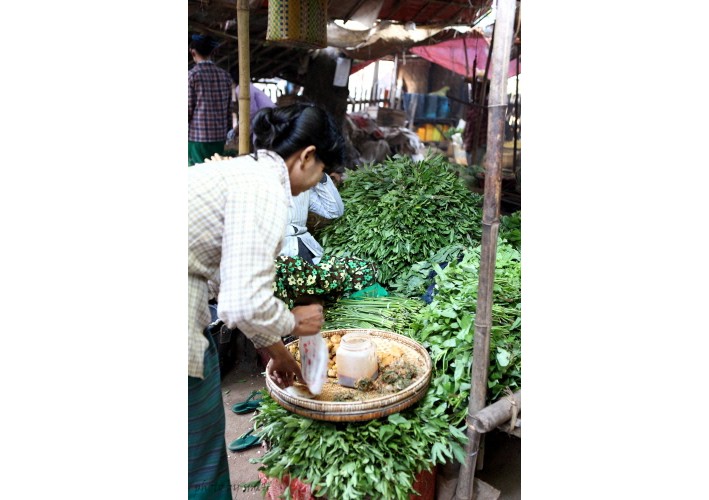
451	54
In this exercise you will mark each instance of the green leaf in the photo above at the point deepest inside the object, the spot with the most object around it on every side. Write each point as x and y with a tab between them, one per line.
397	419
503	357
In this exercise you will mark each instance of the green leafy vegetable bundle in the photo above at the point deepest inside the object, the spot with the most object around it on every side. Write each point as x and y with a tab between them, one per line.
446	328
385	313
511	229
401	212
380	458
376	459
414	281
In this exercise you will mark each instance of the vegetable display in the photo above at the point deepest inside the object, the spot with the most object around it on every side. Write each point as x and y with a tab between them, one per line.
421	226
386	313
400	212
446	328
511	229
379	458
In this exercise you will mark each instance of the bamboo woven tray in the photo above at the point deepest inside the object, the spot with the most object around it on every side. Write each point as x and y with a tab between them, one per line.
320	408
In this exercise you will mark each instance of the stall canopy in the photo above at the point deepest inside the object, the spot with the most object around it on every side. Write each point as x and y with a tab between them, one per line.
384	20
451	54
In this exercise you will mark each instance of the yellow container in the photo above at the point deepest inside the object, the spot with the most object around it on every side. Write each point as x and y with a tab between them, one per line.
436	134
429	132
421	131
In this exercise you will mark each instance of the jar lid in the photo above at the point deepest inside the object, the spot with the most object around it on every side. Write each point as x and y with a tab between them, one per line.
356	341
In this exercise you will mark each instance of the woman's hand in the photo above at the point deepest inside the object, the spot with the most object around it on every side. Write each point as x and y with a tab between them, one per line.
284	368
308	319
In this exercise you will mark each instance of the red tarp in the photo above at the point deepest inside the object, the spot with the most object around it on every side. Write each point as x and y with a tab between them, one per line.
451	54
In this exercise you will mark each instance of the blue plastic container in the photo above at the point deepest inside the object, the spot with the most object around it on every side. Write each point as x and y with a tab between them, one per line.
431	107
419	99
444	108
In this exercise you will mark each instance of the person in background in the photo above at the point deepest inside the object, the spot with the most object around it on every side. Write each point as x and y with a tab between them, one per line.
303	274
237	214
209	102
324	200
259	100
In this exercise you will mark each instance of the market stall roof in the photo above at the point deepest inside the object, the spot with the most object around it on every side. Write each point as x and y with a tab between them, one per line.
461	54
387	17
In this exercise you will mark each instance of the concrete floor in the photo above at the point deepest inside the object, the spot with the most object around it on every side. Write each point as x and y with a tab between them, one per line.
502	459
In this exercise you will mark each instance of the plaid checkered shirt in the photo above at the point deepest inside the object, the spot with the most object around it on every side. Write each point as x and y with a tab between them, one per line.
209	103
237	212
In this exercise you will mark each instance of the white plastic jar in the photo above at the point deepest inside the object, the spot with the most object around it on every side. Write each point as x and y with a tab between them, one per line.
356	358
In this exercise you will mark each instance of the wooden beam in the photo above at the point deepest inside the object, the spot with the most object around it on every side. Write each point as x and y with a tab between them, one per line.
423	7
353	10
280	66
497	413
490	230
202	27
395	7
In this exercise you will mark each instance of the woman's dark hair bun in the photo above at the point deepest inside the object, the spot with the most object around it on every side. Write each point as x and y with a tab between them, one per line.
268	127
291	128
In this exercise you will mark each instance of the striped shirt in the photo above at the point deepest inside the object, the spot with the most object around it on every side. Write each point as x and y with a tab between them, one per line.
209	103
237	212
322	199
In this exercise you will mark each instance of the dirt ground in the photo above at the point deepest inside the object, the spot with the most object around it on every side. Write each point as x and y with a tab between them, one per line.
236	387
502	458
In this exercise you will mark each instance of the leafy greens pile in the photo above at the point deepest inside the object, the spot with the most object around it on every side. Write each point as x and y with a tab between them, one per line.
385	313
400	212
446	328
511	229
379	458
407	218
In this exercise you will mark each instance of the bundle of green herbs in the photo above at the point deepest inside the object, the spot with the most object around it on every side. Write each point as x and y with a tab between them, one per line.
414	281
511	229
401	212
375	459
381	458
391	313
446	328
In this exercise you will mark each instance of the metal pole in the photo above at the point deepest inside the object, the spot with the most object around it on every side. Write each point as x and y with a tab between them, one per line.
490	226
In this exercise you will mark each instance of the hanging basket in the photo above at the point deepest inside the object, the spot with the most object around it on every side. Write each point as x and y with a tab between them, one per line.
298	23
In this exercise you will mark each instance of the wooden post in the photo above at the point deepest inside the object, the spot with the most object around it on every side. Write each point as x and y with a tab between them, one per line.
392	91
497	413
490	226
242	22
375	78
515	166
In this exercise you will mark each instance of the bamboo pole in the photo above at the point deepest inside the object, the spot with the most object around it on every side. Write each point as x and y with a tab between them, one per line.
516	132
242	22
490	226
497	413
392	90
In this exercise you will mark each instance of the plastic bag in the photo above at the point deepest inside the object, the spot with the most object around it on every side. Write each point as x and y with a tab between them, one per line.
313	361
376	290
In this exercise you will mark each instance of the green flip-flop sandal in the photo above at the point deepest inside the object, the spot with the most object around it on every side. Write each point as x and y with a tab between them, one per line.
250	404
244	442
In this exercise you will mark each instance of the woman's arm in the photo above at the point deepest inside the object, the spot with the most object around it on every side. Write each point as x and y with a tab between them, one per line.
325	199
